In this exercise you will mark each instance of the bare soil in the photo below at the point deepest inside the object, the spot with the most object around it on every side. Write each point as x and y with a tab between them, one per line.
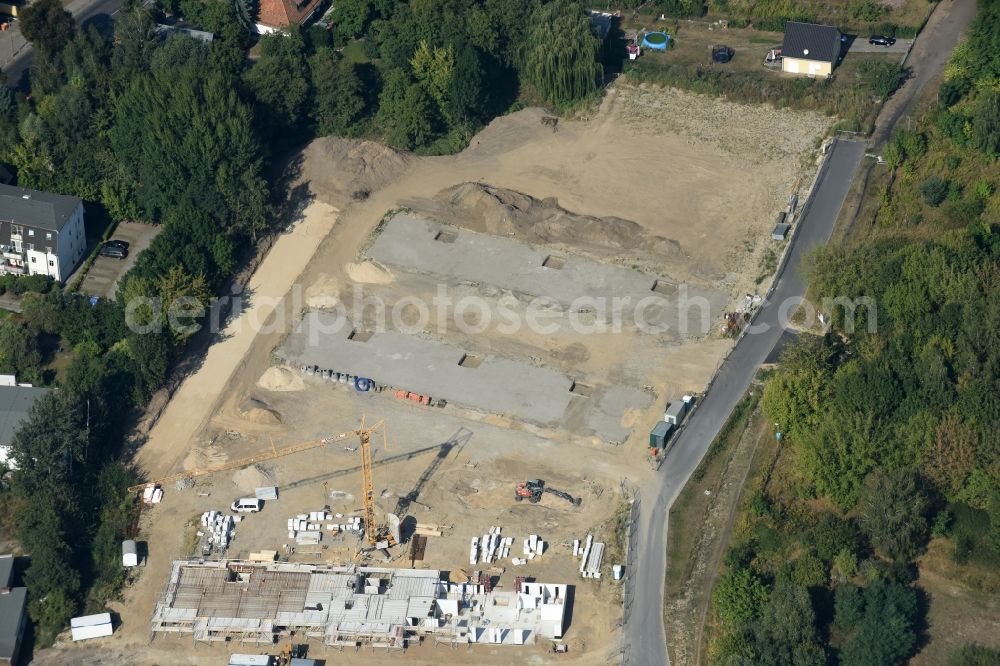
630	183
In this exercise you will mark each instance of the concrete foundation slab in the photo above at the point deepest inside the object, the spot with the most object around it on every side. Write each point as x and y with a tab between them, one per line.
534	394
415	244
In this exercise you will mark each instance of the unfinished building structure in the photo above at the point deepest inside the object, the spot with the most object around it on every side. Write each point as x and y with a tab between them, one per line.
348	606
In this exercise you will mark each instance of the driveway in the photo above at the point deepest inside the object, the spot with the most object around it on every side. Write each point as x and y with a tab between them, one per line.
945	28
103	276
645	639
861	45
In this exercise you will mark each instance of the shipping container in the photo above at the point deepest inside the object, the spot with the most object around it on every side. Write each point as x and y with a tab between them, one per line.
659	435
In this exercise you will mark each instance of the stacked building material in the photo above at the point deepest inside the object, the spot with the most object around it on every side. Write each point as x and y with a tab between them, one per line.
591	557
316	521
217	530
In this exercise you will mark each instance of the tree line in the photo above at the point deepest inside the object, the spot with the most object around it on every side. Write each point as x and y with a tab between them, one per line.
889	420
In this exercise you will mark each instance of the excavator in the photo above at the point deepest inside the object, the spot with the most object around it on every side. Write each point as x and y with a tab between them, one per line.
532	490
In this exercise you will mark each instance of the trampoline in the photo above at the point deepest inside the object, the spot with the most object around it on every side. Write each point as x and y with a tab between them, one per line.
656	40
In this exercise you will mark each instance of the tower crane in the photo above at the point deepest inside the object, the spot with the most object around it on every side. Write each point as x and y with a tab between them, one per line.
378	536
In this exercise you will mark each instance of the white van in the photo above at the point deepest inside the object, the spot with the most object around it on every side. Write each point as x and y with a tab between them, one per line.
247	505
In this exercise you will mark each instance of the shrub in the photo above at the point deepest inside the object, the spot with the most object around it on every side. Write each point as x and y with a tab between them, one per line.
934	190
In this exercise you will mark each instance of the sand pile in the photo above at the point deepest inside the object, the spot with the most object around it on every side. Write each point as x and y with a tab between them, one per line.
255	476
504	212
323	292
368	272
343	170
281	378
257	411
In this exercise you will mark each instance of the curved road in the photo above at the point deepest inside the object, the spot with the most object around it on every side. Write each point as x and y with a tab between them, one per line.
645	640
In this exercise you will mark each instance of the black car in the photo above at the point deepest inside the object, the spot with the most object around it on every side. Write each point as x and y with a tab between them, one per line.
114	252
117	243
879	40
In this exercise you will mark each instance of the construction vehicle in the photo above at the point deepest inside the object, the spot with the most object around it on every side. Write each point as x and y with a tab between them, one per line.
532	490
379	537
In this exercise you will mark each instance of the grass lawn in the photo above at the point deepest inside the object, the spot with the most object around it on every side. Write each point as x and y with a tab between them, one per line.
354	52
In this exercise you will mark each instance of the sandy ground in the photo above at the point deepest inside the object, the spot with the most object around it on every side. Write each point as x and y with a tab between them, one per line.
712	198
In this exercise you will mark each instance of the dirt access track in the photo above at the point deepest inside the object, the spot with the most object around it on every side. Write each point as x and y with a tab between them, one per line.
658	188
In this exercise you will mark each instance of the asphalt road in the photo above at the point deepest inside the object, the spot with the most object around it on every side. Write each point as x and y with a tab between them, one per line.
645	640
15	53
945	28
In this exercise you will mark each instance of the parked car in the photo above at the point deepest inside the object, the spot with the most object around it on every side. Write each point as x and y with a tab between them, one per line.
247	505
118	243
879	40
114	252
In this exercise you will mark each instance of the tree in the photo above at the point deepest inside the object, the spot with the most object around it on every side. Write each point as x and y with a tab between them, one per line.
934	190
952	455
786	630
406	112
561	54
885	634
19	353
891	510
985	129
279	83
434	69
339	94
47	25
739	597
49	448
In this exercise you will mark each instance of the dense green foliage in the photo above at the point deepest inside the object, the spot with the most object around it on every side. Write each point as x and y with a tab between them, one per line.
889	419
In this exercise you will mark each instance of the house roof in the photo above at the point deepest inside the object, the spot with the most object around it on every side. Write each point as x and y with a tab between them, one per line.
11	611
15	403
283	13
32	208
811	41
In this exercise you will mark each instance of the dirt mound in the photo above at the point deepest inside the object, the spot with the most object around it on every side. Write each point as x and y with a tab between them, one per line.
504	212
343	170
255	476
280	378
368	272
323	292
257	411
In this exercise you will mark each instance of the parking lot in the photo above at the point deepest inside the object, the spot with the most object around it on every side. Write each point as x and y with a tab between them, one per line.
102	278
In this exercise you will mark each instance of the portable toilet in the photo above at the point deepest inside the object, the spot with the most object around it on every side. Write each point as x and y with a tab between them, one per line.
130	553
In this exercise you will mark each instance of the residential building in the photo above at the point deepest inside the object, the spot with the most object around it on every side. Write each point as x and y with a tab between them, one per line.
40	233
15	403
278	15
810	49
13	618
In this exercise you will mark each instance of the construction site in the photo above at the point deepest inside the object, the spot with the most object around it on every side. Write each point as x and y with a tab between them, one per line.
424	428
253	603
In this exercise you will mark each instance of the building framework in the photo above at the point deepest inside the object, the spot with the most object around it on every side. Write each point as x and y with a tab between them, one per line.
350	606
